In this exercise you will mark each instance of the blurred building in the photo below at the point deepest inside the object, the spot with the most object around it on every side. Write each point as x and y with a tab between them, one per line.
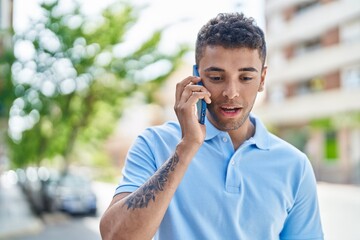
313	82
6	10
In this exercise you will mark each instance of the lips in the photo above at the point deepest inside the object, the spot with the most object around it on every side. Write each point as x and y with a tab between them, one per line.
230	111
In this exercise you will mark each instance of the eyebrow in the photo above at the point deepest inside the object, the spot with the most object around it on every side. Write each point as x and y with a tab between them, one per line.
216	69
248	69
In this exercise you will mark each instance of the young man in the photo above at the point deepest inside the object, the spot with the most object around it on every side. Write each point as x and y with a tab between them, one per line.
227	179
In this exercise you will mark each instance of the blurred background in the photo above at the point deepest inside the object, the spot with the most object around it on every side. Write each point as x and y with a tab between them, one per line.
79	80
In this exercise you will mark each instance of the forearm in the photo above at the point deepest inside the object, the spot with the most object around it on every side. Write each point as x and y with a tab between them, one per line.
139	214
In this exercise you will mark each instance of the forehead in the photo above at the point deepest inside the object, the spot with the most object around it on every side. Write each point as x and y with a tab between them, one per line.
230	57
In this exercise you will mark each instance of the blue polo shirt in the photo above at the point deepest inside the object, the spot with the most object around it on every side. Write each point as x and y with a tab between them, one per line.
264	190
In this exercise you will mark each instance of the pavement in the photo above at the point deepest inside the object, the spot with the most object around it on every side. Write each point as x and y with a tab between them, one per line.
16	217
339	206
340	210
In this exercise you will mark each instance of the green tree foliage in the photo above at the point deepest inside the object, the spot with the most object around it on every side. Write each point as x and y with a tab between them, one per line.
6	60
73	85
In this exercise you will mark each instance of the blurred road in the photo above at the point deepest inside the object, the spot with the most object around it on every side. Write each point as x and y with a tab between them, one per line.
340	211
60	226
339	204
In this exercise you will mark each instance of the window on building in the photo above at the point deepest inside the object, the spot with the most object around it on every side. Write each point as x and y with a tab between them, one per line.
317	84
350	32
306	6
308	46
350	77
302	88
277	93
305	87
331	37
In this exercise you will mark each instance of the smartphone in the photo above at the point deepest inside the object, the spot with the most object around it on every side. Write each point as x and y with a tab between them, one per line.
201	104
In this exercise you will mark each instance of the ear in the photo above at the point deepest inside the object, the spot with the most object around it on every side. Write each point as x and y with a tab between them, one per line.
262	79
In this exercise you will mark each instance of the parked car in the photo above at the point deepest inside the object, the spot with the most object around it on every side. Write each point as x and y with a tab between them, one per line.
31	182
73	194
49	191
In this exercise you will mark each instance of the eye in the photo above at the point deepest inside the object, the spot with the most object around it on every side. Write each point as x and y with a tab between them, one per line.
215	77
246	78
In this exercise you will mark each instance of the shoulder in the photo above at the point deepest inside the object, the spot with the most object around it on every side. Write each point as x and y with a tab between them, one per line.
170	129
296	163
277	143
287	152
160	136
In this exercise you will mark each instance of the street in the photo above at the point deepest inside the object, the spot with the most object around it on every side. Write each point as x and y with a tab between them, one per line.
340	211
339	205
60	226
67	228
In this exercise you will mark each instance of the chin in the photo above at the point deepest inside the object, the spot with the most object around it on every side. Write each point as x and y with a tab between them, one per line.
230	126
226	124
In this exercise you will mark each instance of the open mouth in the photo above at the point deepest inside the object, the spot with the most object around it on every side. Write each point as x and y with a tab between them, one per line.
230	110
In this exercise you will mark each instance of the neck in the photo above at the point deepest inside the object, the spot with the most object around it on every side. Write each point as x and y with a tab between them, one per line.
242	134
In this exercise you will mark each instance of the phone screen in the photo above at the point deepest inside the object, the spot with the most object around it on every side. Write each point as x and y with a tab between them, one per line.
201	104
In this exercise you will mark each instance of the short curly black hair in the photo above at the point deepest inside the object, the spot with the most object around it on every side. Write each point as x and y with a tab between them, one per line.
231	30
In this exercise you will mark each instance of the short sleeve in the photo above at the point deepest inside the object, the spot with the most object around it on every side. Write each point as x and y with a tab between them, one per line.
303	221
139	164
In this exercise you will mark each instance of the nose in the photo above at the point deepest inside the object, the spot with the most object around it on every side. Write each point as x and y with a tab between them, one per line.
231	90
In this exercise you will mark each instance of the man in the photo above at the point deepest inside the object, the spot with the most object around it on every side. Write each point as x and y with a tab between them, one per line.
227	179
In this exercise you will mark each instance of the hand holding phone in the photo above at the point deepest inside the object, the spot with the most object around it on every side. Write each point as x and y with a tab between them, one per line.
201	104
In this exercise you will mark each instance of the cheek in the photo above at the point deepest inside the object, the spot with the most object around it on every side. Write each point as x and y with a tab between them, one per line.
251	94
215	94
214	91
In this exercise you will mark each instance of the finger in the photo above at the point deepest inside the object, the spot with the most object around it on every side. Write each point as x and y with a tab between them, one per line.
189	89
188	100
196	96
197	91
180	86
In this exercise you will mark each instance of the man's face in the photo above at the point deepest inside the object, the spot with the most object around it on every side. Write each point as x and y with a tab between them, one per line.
233	76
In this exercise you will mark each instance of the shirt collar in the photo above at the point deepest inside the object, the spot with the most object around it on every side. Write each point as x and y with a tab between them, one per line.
260	138
211	130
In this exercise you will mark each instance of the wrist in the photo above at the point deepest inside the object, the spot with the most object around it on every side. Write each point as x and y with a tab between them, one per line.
187	149
190	143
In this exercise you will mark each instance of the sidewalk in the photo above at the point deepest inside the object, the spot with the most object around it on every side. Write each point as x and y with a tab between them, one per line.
340	210
16	217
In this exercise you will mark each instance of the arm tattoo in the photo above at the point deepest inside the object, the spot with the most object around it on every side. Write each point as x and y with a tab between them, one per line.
142	197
